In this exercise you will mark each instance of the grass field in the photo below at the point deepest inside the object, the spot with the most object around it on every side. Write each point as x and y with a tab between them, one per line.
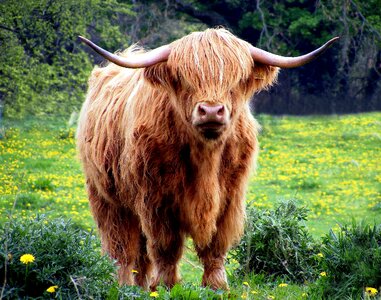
330	164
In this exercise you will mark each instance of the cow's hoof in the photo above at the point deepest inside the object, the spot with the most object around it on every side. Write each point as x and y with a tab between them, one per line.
215	279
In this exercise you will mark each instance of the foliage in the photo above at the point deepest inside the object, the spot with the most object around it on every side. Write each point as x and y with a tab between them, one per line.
277	243
63	256
42	257
157	23
345	79
262	287
44	71
42	68
352	259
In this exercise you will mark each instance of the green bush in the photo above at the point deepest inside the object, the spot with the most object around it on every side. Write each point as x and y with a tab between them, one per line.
277	243
44	258
64	256
43	67
352	261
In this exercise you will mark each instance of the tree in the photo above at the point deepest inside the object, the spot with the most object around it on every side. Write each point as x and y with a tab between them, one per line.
43	70
345	79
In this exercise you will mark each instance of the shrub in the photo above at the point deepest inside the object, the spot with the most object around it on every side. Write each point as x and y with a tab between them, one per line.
276	242
352	261
64	256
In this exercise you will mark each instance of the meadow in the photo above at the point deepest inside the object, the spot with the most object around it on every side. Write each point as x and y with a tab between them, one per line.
329	164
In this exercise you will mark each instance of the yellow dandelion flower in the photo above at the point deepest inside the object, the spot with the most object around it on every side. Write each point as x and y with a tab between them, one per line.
283	285
323	274
154	294
244	296
27	258
371	291
270	297
52	289
304	295
254	292
321	255
134	271
245	283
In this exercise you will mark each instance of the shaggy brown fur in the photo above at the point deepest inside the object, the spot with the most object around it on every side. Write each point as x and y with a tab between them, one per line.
152	179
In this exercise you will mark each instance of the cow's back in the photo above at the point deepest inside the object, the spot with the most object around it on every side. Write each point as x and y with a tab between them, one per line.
105	119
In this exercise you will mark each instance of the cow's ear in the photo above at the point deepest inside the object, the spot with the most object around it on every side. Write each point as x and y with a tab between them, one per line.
159	75
264	76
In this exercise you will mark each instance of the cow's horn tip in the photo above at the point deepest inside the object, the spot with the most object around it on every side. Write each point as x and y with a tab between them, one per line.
82	39
334	39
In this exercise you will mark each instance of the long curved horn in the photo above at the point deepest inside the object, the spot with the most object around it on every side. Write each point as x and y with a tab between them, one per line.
141	60
268	58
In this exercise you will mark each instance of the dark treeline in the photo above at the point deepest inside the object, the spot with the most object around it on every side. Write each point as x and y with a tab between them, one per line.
44	69
346	79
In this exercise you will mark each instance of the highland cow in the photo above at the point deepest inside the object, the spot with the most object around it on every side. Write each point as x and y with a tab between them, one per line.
167	142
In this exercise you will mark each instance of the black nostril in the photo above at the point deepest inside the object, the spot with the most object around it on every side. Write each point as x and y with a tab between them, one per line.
201	111
221	111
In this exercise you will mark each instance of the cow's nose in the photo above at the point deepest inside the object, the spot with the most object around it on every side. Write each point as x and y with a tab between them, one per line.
211	113
211	110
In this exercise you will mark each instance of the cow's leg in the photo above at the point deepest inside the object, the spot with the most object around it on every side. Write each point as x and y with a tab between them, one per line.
165	253
120	233
229	230
165	241
213	258
143	265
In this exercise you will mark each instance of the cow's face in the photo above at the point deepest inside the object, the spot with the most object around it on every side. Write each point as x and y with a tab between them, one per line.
212	112
211	77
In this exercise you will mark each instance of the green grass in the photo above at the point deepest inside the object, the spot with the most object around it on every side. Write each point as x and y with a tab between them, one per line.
330	164
39	168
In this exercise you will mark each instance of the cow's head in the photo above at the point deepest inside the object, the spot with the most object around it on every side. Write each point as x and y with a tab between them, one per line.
210	76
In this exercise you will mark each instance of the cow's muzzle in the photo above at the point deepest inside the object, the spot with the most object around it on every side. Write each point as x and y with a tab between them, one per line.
210	119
